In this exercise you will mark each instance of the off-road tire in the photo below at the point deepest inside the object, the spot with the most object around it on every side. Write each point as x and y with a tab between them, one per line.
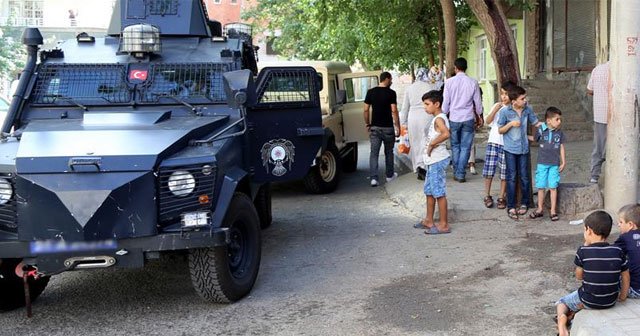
350	162
262	203
12	288
324	176
225	274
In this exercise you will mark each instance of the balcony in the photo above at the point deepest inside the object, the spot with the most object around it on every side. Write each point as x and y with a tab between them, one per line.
21	21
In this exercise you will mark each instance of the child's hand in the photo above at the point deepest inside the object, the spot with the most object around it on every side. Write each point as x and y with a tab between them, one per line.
622	297
515	123
429	150
561	168
530	137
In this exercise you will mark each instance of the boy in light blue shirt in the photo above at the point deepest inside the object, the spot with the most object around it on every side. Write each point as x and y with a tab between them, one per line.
514	120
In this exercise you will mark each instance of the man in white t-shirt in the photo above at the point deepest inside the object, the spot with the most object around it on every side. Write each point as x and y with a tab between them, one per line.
598	87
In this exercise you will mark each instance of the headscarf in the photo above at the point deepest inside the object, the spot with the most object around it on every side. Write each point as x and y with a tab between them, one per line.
435	76
422	75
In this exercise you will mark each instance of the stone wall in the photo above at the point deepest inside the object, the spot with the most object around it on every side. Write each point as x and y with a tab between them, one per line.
579	81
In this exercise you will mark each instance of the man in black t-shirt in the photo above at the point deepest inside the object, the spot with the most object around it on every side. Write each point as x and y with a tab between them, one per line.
383	126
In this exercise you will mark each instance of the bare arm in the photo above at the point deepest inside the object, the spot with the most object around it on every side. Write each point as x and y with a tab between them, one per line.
367	122
504	129
492	114
562	161
396	119
624	285
579	273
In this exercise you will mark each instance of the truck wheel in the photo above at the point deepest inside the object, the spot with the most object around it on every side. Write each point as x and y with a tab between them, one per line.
350	161
324	176
12	289
263	205
227	273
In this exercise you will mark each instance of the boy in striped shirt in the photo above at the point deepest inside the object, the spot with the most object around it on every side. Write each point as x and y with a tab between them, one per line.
602	269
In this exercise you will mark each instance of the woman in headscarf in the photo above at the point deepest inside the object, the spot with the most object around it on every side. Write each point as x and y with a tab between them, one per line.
413	115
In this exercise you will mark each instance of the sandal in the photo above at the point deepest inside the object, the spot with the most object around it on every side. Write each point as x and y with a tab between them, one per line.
535	214
523	210
488	201
502	203
512	214
554	217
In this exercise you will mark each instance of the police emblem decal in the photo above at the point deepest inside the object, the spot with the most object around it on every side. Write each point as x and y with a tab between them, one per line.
278	152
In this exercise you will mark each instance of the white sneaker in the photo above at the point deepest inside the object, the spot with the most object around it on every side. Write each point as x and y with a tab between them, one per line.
395	175
374	182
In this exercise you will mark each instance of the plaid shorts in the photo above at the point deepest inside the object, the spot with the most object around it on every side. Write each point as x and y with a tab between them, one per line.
494	158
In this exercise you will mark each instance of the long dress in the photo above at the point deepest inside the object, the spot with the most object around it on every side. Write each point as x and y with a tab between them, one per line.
416	118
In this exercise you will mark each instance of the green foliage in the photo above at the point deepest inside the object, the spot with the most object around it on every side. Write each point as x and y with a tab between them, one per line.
526	5
377	33
12	53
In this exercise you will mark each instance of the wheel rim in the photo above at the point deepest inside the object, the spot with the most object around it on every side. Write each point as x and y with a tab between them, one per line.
238	250
327	166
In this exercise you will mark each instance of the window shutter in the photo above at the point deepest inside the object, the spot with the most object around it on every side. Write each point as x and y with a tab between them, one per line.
559	34
581	34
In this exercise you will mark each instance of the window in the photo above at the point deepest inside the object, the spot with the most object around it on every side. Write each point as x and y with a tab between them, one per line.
482	57
217	2
25	12
574	35
357	87
234	2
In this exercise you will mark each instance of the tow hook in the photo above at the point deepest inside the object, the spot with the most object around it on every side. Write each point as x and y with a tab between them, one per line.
26	271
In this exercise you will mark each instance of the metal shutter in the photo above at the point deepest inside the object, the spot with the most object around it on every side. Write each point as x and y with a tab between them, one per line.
581	34
559	33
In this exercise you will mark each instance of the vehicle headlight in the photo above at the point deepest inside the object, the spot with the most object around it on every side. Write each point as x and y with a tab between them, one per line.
6	191
181	183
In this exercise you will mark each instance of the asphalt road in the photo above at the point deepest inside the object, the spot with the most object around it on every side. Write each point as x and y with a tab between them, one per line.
348	263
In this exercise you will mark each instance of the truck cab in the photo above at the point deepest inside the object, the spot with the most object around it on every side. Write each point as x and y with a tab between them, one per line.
160	137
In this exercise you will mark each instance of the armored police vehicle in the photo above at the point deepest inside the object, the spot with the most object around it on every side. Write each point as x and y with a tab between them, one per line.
154	138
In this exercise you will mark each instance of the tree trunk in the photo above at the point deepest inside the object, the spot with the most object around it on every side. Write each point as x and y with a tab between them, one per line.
429	50
440	28
501	41
621	175
451	40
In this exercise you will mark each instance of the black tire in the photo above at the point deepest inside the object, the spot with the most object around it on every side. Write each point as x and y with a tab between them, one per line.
350	161
12	288
324	176
227	273
263	205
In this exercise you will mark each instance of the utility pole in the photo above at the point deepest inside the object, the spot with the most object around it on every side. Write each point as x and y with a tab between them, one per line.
621	176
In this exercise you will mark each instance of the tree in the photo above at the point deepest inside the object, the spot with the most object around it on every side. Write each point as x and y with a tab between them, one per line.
377	33
449	19
491	16
12	52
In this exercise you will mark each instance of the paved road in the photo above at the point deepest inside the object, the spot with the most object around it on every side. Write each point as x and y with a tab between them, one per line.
348	263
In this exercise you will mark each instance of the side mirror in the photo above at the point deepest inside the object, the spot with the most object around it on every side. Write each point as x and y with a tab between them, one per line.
341	96
239	88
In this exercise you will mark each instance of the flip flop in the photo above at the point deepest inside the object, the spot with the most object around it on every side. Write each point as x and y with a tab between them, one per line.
434	230
419	225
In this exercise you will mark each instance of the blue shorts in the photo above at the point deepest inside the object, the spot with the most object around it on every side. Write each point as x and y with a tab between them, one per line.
572	301
547	176
435	182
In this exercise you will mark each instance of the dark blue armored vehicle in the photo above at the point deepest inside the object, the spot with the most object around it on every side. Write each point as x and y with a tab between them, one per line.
158	137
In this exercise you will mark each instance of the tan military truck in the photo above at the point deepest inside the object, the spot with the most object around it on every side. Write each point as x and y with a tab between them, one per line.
342	99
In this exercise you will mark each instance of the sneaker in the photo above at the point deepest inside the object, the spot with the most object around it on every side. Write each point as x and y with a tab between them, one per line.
473	171
593	180
395	175
374	182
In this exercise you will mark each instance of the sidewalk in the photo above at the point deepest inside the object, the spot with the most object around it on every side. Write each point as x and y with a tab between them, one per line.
465	204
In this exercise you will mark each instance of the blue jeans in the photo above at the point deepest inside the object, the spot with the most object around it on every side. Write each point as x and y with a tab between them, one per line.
517	163
378	136
461	141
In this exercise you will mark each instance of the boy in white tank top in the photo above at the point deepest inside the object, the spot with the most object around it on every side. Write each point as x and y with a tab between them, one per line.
436	159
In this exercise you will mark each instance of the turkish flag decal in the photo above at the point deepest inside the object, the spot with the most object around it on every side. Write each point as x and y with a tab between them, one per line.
140	75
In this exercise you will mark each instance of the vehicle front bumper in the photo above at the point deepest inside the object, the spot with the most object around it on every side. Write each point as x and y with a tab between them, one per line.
126	253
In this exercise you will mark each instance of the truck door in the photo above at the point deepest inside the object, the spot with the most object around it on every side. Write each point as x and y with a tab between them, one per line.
356	85
285	124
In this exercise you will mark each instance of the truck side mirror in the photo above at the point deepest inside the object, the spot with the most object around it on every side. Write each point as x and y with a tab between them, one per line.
341	96
239	88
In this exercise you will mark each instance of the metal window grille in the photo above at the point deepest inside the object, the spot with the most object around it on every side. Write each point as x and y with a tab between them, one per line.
186	81
8	213
163	7
65	83
171	206
289	87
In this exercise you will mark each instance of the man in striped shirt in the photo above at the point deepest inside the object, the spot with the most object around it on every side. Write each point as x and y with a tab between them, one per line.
602	269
